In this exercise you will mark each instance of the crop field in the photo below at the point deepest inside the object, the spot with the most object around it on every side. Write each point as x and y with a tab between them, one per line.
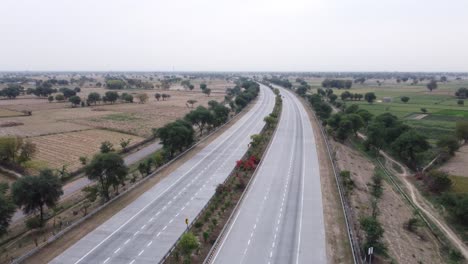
63	134
57	150
459	184
441	104
8	113
140	119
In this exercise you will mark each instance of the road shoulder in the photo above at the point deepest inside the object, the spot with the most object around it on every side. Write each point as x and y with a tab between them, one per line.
338	249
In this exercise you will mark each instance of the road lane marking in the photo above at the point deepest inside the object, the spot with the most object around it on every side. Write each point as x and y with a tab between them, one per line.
136	233
128	240
115	252
247	118
132	262
107	259
141	252
149	244
143	227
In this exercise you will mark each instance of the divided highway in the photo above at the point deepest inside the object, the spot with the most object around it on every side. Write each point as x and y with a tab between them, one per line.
145	230
280	220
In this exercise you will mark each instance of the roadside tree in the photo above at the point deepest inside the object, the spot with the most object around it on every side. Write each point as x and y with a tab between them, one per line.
7	208
108	169
32	193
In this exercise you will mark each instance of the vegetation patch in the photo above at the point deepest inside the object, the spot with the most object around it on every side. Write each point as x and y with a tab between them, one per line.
8	113
122	117
452	112
459	184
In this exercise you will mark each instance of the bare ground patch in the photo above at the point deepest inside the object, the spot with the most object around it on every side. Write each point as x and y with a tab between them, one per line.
403	246
457	165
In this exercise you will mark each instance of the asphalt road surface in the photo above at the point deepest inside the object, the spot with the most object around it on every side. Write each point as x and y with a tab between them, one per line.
145	230
280	220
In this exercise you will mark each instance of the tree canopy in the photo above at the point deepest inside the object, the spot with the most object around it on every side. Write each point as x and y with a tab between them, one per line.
176	136
32	193
7	208
109	169
200	117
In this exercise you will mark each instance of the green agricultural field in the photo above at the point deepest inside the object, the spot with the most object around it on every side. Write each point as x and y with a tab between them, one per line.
441	104
460	184
125	117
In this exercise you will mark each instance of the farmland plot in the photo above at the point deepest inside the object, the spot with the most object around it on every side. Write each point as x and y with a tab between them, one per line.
57	150
140	119
7	113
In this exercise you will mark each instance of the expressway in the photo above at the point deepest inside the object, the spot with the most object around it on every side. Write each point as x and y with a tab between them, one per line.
145	230
280	220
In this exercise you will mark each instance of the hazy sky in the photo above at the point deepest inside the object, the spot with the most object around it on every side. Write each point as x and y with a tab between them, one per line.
239	35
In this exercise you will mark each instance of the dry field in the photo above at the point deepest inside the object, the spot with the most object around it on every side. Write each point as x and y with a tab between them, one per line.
403	246
7	113
63	134
457	165
66	148
6	178
140	119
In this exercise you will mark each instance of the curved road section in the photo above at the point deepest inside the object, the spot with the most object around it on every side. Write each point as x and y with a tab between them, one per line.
145	230
280	220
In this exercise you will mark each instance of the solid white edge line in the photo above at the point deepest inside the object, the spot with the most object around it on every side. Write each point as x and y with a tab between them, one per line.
164	192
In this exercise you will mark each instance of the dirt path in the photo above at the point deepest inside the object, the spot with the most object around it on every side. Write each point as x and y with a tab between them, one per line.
424	206
421	202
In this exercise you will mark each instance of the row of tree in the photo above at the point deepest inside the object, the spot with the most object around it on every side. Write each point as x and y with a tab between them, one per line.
109	97
11	91
179	135
336	83
213	116
247	91
284	82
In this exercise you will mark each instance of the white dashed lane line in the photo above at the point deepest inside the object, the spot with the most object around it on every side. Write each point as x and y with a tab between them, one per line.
179	194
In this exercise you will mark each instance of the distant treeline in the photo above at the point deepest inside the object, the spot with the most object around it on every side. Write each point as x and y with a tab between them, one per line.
340	84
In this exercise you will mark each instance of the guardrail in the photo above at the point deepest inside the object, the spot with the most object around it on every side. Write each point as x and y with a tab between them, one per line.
354	243
95	211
